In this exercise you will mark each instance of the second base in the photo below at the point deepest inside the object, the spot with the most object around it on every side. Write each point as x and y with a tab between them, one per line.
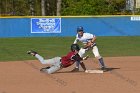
93	71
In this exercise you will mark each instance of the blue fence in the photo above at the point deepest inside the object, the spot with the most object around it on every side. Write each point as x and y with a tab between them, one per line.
100	26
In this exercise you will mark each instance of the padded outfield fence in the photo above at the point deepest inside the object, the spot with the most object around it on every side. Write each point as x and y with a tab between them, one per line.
42	26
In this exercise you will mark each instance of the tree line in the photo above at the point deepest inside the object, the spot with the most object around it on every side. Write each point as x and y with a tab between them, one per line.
62	7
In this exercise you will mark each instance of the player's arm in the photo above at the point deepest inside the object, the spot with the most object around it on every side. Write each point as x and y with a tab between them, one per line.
82	65
77	57
76	40
93	39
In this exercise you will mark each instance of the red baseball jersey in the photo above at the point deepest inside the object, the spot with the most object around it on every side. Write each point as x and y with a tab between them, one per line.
67	60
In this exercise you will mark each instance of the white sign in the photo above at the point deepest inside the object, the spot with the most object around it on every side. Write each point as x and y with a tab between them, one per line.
135	18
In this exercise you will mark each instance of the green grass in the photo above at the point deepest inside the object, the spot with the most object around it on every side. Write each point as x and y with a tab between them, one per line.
15	48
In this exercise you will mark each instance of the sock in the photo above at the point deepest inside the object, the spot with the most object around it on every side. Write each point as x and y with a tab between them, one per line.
101	62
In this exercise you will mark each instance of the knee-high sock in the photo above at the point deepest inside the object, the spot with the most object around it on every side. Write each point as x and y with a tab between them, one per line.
101	62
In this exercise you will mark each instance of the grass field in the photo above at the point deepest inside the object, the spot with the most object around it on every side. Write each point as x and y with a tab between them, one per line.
15	48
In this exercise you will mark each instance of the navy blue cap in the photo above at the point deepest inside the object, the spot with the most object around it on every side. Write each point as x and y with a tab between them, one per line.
79	28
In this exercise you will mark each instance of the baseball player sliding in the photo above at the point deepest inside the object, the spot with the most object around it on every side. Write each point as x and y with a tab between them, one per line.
58	63
89	43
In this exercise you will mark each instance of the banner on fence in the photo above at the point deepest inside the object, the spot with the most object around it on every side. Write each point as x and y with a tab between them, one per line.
45	25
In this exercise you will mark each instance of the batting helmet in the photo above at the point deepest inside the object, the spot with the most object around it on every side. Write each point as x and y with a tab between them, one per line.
80	28
75	47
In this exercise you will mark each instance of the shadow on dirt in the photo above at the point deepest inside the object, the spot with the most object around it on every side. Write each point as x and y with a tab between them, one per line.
106	70
71	72
110	69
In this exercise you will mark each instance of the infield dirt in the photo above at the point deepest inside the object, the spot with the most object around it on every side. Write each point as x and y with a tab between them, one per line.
24	77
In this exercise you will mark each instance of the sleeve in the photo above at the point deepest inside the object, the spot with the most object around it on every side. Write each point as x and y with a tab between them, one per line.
76	57
90	36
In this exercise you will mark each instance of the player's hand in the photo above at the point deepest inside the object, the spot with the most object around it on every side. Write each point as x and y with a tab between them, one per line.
88	45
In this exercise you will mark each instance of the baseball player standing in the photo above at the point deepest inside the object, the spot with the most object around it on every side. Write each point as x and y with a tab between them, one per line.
88	40
58	63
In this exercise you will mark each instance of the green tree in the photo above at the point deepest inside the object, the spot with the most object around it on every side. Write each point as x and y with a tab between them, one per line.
91	7
68	7
27	7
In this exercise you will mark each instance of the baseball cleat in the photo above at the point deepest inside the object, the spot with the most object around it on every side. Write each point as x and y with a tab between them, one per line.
44	69
104	69
33	53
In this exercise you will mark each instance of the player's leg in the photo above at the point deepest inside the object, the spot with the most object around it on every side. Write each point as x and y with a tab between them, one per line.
55	62
40	58
82	52
55	65
46	61
98	56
